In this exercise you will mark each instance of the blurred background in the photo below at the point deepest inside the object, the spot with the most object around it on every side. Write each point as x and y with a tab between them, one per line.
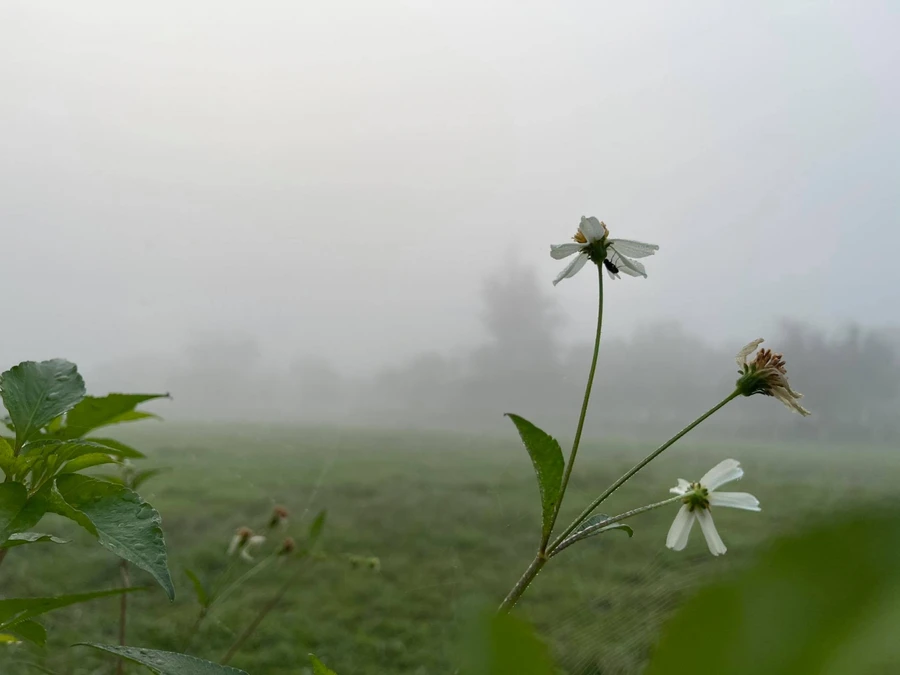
324	228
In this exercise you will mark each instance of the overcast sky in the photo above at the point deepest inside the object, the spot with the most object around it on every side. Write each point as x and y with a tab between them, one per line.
338	178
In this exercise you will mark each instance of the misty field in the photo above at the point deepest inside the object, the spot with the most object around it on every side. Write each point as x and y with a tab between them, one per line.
452	520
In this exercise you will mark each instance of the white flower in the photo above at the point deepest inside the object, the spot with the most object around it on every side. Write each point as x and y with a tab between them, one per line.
252	544
241	537
592	242
766	374
699	497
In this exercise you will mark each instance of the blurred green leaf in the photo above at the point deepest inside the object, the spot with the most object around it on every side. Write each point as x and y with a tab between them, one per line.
547	457
320	668
167	663
13	497
122	522
315	529
23	538
199	588
118	448
35	393
87	461
142	477
31	631
826	602
15	610
95	412
7	457
503	644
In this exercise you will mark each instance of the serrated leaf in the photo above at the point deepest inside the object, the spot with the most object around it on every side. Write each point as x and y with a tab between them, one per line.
167	663
15	610
122	522
320	668
503	644
119	449
95	412
315	529
547	458
31	631
142	477
35	393
199	589
824	602
24	538
87	461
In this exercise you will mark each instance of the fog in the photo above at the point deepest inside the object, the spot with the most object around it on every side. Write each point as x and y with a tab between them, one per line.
341	212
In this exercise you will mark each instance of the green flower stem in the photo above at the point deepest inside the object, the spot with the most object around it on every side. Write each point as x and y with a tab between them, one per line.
637	467
262	614
541	558
581	419
588	531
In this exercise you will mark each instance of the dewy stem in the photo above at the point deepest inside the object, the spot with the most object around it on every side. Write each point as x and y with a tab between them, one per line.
584	408
637	467
541	558
596	527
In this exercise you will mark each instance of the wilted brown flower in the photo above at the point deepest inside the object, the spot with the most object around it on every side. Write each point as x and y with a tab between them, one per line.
288	546
279	517
241	536
766	374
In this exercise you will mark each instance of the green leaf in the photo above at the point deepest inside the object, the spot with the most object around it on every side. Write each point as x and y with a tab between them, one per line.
199	588
7	457
547	457
596	519
315	529
15	610
502	644
35	393
119	449
167	663
95	412
142	477
23	538
122	522
320	668
13	497
87	461
31	631
826	602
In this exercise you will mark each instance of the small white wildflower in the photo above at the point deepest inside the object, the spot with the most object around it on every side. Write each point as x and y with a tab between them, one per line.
252	544
766	374
699	497
592	242
239	540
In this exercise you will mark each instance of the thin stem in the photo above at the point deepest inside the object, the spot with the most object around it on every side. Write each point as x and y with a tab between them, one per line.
123	613
637	467
588	531
522	584
581	419
263	613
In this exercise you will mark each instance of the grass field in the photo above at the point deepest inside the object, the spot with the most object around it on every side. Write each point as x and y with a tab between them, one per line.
454	520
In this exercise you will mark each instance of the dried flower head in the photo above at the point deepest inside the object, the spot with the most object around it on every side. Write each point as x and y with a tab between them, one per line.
279	517
765	374
241	536
287	547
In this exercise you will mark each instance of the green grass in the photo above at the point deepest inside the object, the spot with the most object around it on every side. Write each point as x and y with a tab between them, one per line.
453	519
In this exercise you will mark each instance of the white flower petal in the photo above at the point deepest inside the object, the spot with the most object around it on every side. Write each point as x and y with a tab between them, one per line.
734	500
245	554
747	351
592	229
723	472
560	251
681	528
625	265
713	540
573	267
633	249
233	546
682	488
